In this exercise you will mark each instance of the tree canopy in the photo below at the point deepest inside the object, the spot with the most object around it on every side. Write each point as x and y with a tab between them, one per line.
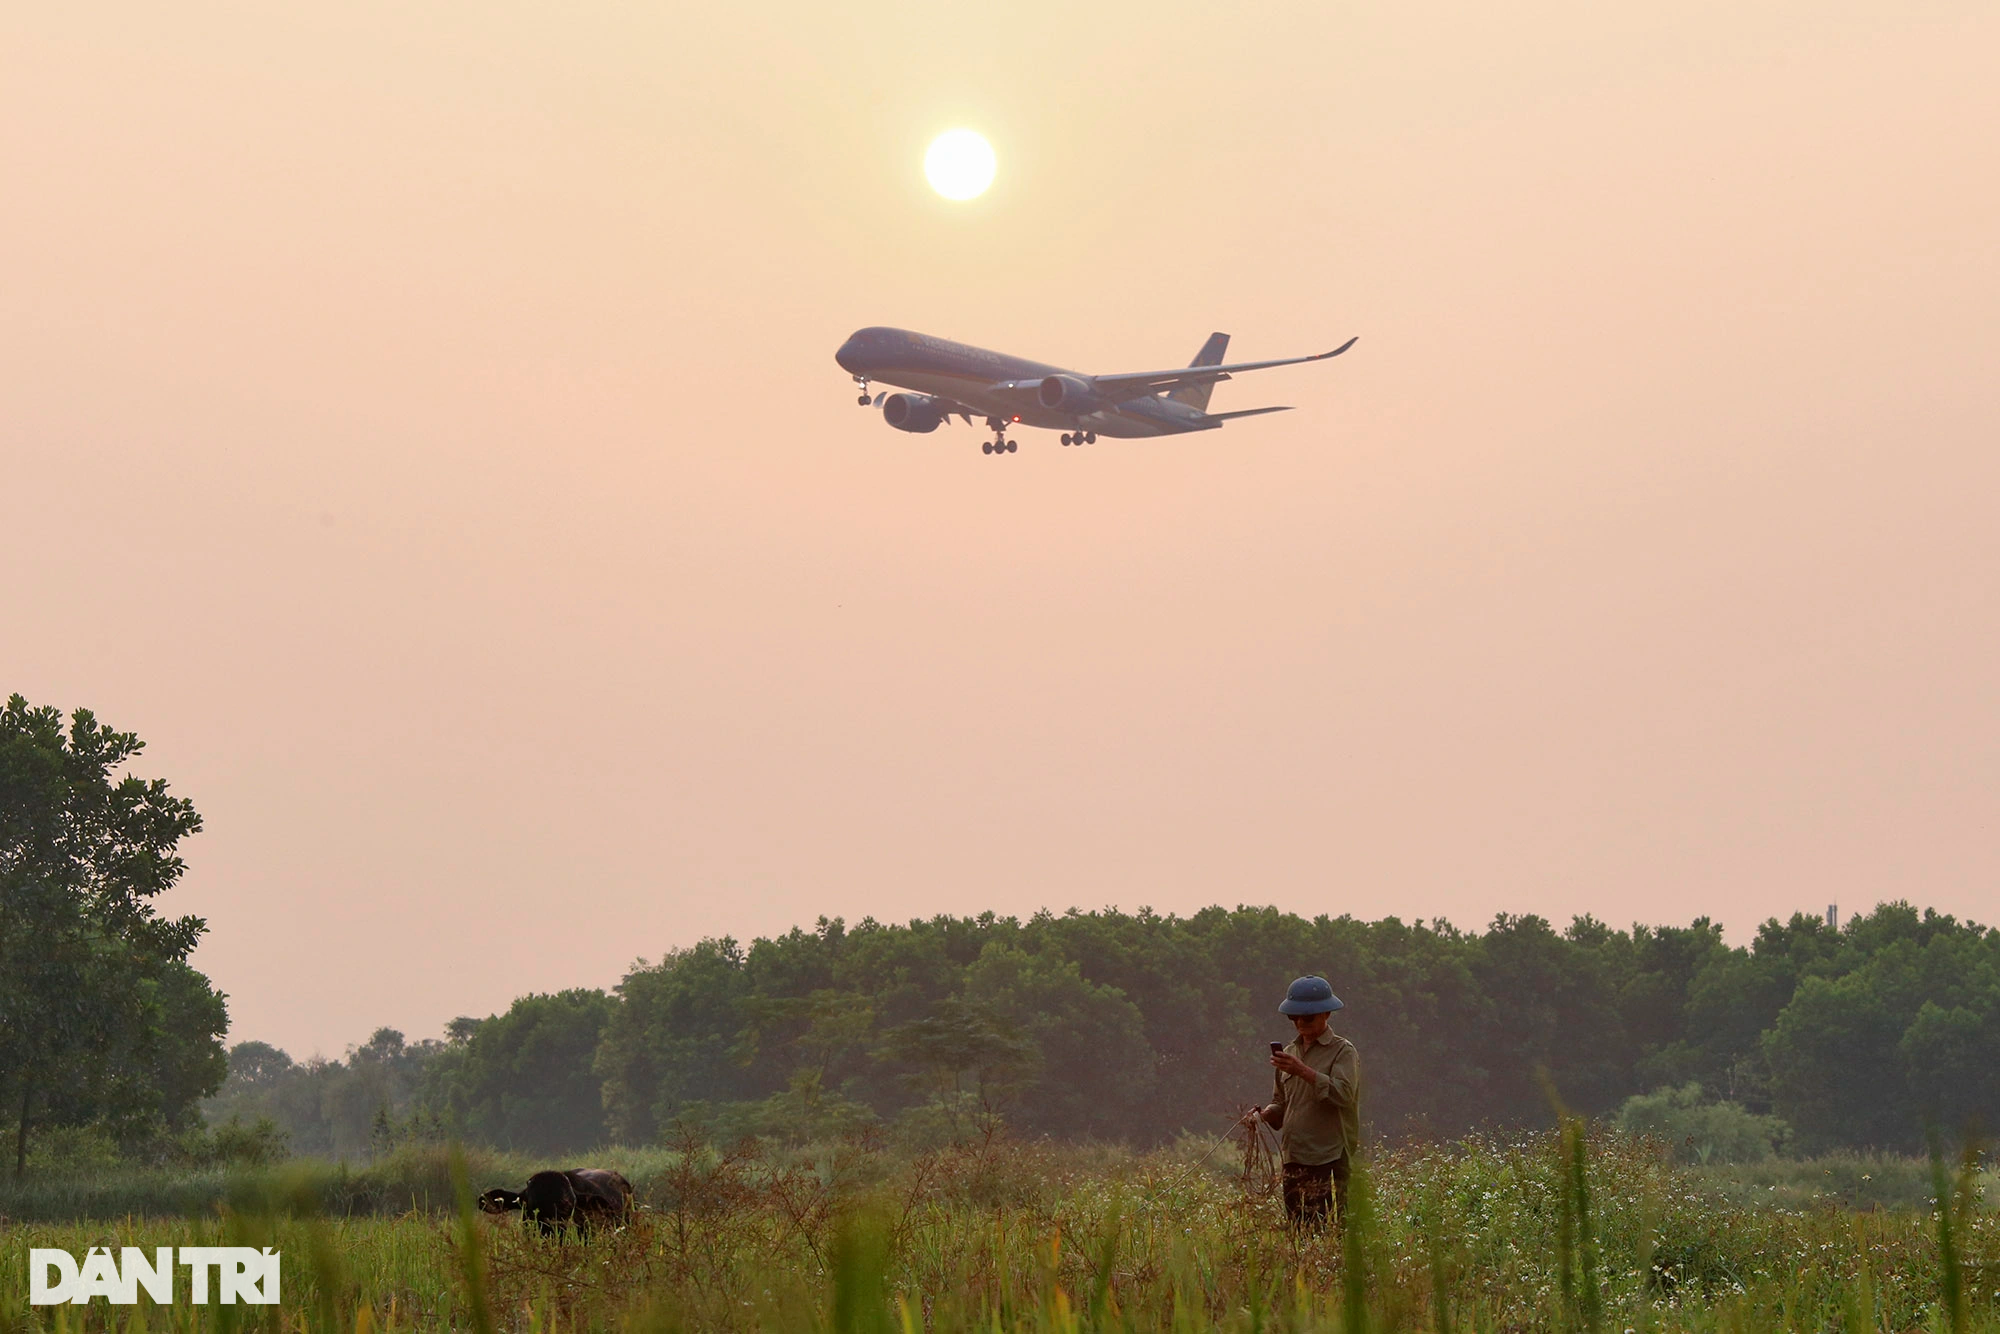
1136	1026
101	1020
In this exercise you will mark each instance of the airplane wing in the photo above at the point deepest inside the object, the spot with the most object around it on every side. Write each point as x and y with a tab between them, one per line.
1123	388
1244	412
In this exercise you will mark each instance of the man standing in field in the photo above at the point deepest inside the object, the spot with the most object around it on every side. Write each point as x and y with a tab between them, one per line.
1315	1105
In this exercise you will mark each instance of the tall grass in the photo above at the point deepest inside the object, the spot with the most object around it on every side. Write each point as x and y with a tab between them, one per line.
1954	1202
1574	1230
413	1179
1847	1180
1577	1237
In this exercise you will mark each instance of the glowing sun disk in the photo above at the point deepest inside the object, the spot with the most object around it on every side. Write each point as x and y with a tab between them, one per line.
959	164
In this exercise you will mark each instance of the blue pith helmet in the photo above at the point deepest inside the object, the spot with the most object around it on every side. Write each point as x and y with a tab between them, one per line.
1309	995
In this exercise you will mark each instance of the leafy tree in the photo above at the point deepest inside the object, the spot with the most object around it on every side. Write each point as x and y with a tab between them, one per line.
524	1079
1656	973
673	1038
1418	1013
968	1062
99	1017
1093	1065
817	1042
908	970
1195	1036
259	1064
179	1059
380	1086
1835	1068
1951	1058
348	1109
812	1033
1556	1011
1891	1028
266	1084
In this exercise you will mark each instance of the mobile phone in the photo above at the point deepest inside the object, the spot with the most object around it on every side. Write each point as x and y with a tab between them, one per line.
1277	1047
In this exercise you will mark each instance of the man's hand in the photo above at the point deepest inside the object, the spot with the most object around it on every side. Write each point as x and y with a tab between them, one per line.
1252	1117
1292	1065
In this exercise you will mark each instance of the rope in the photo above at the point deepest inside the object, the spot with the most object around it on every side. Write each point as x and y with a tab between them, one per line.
1260	1164
1227	1135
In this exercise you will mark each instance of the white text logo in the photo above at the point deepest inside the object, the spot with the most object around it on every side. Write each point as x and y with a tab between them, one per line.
241	1274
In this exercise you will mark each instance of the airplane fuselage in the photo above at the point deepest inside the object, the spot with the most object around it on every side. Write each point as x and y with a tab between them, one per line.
971	376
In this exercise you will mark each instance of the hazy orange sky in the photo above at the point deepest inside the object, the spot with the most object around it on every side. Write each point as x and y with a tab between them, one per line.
419	423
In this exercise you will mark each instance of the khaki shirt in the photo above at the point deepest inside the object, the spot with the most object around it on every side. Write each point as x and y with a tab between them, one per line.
1318	1121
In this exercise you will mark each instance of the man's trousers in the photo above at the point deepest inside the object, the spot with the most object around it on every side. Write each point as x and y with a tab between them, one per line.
1311	1188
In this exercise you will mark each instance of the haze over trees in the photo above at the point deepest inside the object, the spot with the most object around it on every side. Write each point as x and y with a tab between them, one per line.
1133	1027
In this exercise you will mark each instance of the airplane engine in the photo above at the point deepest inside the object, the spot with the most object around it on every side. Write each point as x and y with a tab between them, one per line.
1066	393
912	412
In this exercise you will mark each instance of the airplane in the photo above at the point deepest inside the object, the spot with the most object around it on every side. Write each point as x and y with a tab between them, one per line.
948	379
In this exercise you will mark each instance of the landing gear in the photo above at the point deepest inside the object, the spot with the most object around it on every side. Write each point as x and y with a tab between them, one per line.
864	400
1081	438
999	444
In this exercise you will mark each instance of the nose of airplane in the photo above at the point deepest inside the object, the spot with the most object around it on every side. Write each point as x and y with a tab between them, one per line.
849	355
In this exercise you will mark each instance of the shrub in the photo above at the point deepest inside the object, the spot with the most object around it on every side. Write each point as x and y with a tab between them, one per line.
89	1148
233	1144
1702	1132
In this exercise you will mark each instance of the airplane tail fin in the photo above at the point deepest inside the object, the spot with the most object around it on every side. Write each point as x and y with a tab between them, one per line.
1196	395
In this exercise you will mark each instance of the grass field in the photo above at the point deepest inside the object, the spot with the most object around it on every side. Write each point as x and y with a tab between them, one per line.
1541	1232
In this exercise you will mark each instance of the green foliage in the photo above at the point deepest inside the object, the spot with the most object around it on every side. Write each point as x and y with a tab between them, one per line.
410	1177
233	1144
1583	1300
524	1080
1698	1131
1951	1060
672	1040
381	1095
967	1061
1844	1180
1086	1065
101	1020
1895	1025
1134	1027
860	1255
74	1148
471	1250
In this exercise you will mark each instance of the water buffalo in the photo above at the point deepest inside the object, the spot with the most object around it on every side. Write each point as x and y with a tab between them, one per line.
581	1197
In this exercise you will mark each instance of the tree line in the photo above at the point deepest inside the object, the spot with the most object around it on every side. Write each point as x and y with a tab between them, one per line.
1137	1026
1099	1025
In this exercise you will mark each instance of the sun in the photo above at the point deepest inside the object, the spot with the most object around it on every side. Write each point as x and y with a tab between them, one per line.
959	164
